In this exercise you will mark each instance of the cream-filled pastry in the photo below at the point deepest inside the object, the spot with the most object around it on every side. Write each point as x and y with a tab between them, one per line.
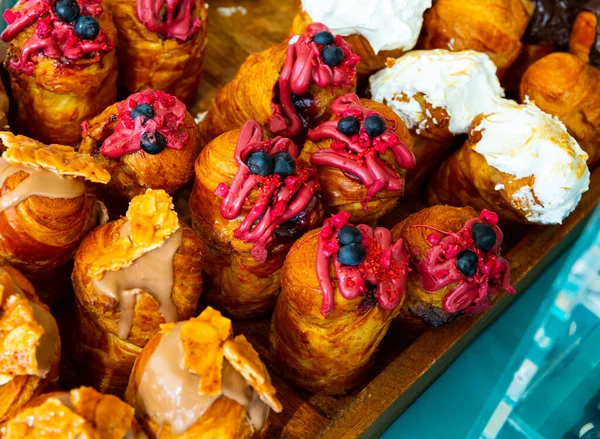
194	379
130	276
519	162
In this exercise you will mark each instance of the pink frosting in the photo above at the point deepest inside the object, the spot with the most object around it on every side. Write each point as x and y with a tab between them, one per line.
385	266
439	270
278	200
52	37
168	120
178	21
302	67
360	154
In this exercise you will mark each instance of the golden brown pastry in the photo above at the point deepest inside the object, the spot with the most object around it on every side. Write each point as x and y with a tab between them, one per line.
80	413
341	287
252	199
162	53
148	141
3	109
438	94
130	276
62	65
29	344
494	27
375	29
286	88
519	162
584	41
456	265
46	208
361	155
194	380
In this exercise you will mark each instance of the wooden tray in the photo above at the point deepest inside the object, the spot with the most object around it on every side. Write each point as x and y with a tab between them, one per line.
408	362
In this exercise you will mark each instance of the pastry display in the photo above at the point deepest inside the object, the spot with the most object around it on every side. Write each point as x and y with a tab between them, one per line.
161	45
341	287
29	344
130	276
376	29
519	162
62	65
194	379
46	208
148	141
252	199
286	88
494	27
456	265
438	94
361	155
80	413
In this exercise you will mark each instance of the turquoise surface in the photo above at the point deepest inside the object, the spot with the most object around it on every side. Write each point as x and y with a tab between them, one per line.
450	407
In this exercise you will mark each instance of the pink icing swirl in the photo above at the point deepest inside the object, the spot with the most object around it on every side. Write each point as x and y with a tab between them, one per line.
439	270
359	155
52	37
178	21
385	266
168	120
303	66
278	200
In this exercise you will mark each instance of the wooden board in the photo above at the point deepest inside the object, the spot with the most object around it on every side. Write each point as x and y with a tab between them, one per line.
407	362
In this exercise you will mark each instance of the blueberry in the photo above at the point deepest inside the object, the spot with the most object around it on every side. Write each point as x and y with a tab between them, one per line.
467	263
332	55
348	126
86	27
323	37
484	236
351	254
153	142
374	125
349	235
260	163
284	164
142	110
67	10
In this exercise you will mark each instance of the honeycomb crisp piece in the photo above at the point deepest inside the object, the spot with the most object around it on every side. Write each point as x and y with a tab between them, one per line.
152	219
50	420
110	417
20	333
242	356
202	339
61	159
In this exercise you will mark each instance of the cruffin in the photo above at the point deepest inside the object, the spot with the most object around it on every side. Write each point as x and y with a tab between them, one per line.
63	160
152	219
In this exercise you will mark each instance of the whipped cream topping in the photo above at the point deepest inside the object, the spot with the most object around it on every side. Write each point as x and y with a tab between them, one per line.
463	83
386	24
523	141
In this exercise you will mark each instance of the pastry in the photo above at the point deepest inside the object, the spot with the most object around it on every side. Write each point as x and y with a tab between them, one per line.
286	88
564	86
130	276
62	65
494	27
341	287
456	267
584	41
252	198
437	93
3	109
376	29
361	155
161	52
195	380
148	141
29	344
80	413
519	162
46	208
